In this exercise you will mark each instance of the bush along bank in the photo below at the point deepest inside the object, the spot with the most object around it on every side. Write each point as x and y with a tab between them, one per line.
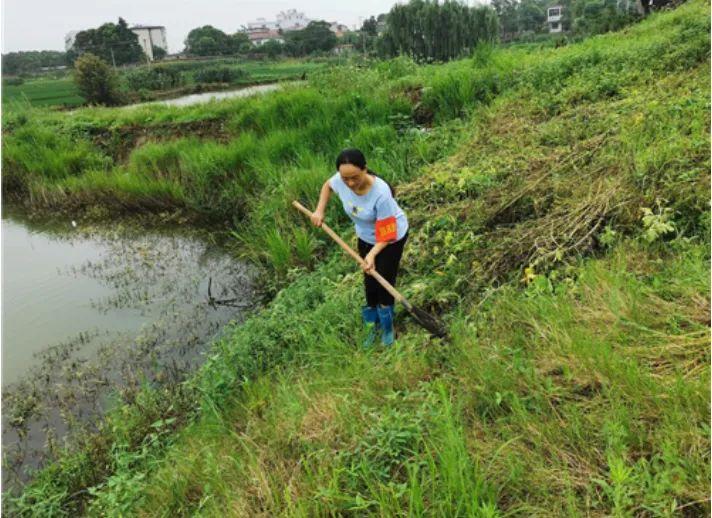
570	258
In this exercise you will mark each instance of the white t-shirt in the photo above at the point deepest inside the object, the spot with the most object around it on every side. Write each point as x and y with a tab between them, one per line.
364	211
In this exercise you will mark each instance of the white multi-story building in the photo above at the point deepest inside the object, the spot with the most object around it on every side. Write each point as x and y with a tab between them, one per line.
553	18
292	20
150	36
261	30
261	23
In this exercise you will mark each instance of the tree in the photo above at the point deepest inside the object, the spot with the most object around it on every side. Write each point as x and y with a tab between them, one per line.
370	26
584	17
209	41
272	48
239	43
96	80
114	43
507	13
158	52
349	38
597	16
316	37
429	30
531	16
367	36
205	41
29	62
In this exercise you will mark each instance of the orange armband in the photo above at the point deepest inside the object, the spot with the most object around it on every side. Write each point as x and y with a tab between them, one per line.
386	230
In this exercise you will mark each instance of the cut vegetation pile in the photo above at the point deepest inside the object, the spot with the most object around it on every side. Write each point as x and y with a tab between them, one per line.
559	209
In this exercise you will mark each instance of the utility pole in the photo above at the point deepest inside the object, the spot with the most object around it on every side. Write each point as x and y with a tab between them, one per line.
113	60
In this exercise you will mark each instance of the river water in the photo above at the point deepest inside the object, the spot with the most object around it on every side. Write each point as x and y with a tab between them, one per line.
87	311
205	97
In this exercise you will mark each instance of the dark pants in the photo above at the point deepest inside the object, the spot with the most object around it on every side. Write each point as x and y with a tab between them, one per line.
387	262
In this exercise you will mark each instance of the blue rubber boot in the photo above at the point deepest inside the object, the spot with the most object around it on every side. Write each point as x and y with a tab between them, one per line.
385	316
370	320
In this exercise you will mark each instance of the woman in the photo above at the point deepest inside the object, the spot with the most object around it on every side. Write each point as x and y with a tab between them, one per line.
382	230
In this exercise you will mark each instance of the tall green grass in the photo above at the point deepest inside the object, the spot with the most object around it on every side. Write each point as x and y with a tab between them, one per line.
561	399
599	389
43	92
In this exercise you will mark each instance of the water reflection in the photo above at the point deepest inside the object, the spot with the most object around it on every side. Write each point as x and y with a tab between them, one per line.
188	100
88	312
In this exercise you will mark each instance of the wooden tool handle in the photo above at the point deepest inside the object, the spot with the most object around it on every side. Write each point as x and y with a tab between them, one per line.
383	282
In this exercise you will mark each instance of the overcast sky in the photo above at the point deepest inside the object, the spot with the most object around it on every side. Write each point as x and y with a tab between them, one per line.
42	24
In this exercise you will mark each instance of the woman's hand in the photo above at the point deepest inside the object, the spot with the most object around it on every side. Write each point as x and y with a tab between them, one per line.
317	217
369	263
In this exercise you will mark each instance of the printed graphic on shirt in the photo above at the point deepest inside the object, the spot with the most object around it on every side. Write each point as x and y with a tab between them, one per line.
355	209
386	229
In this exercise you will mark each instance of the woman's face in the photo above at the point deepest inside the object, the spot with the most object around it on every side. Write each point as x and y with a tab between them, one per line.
353	176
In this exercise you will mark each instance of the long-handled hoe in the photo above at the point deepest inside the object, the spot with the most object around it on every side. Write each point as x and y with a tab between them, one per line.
432	324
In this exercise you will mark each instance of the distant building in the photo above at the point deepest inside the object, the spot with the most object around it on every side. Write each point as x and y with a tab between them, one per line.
338	28
292	20
344	49
260	35
262	30
150	36
261	23
69	40
553	18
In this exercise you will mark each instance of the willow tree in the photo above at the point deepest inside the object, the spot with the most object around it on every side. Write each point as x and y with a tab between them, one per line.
430	30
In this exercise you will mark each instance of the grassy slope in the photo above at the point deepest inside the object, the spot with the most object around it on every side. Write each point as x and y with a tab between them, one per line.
584	393
591	400
577	376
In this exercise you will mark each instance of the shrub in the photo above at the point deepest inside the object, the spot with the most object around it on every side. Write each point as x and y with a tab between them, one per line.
159	53
219	75
12	81
96	81
154	78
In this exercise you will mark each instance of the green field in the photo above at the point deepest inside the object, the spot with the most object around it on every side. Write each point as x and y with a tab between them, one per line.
43	92
263	71
560	225
63	92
